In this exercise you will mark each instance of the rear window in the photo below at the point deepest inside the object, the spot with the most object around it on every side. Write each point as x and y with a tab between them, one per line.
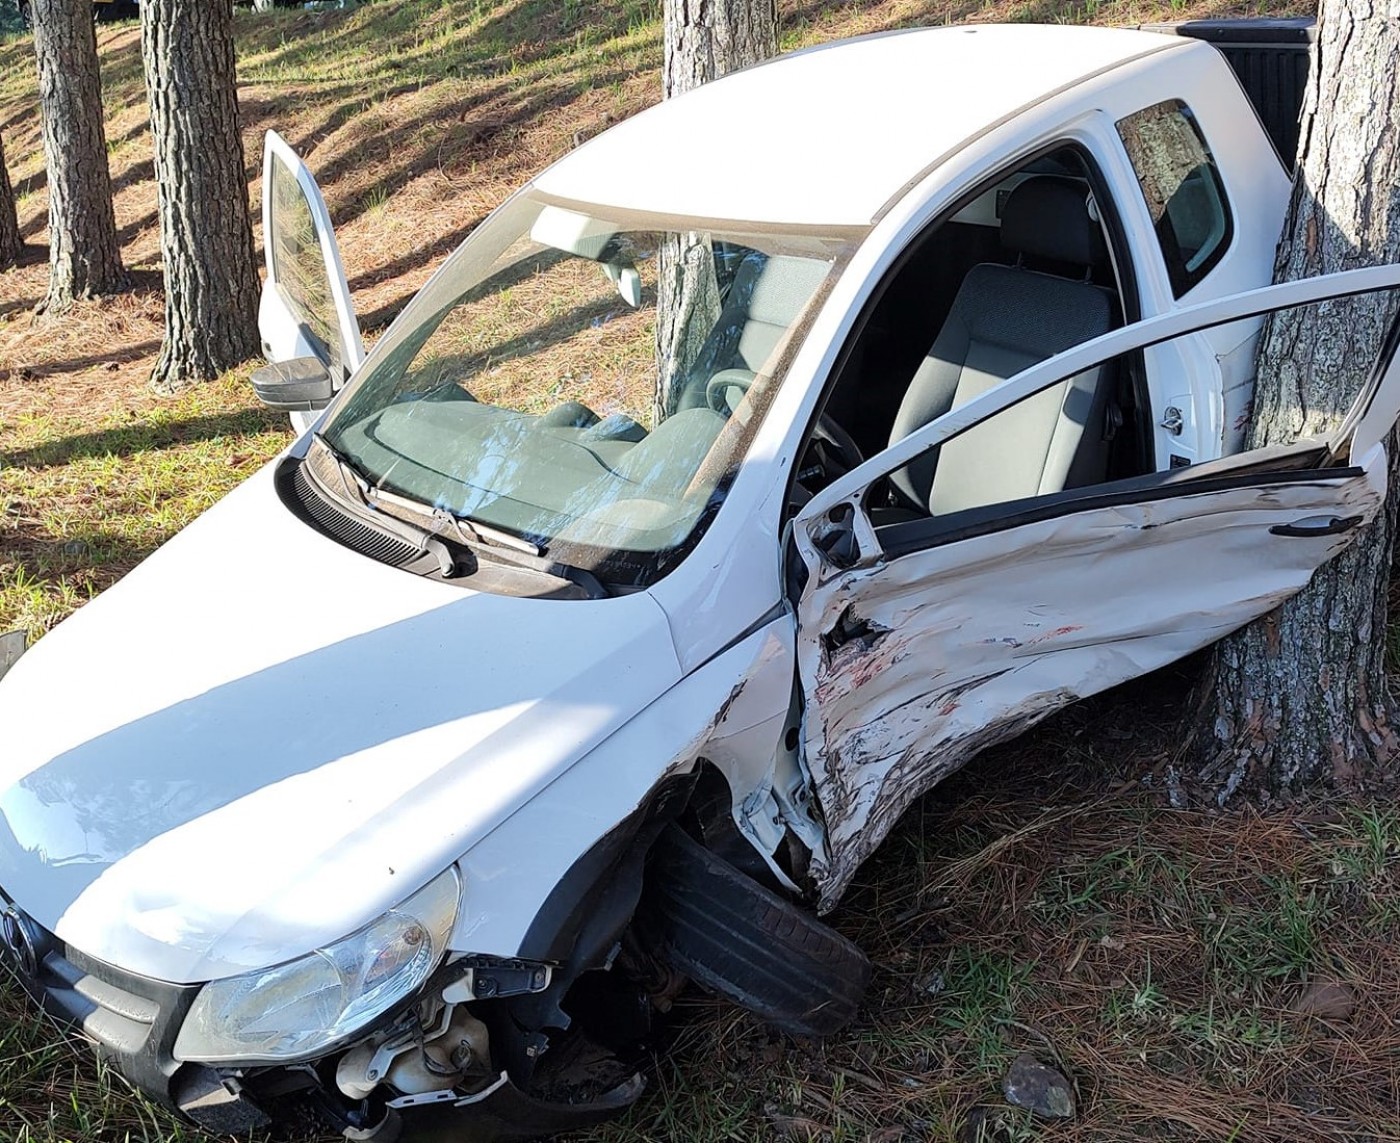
1184	192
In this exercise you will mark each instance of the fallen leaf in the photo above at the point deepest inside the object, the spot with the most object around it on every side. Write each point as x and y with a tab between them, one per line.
1325	999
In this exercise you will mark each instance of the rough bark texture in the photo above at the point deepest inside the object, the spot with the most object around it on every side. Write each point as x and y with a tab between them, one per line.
704	39
206	235
10	241
1300	697
84	255
687	307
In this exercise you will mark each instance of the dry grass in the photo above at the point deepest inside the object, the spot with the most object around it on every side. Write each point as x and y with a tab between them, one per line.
1046	900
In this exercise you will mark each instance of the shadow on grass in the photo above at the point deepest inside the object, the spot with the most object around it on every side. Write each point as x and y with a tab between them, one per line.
144	437
22	117
44	555
138	172
21	305
121	356
123	75
468	129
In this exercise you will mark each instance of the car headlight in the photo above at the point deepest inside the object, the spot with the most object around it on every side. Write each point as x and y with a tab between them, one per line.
310	1004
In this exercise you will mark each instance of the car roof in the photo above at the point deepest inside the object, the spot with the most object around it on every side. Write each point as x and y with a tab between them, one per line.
828	136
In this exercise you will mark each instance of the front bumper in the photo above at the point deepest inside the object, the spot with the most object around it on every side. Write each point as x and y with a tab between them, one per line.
131	1020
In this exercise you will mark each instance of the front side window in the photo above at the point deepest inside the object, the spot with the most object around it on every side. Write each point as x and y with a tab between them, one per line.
520	391
299	266
1184	192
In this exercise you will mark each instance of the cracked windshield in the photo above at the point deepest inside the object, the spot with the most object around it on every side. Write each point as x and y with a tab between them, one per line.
521	391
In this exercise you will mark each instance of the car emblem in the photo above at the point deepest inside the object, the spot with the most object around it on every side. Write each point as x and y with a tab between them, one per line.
17	942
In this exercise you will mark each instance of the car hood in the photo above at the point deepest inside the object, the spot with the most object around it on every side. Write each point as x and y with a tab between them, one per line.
259	740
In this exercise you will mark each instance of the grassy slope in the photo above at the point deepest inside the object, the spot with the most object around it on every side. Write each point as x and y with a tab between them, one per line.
1155	955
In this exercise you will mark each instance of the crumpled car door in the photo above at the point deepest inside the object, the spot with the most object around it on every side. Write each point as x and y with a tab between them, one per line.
925	641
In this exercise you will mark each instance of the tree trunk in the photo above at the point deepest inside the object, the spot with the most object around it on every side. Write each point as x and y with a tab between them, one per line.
703	40
84	255
206	235
10	241
1300	696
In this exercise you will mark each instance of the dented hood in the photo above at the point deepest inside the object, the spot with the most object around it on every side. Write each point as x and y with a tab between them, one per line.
259	740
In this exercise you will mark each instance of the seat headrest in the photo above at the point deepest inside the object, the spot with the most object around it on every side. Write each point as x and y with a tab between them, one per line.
1047	217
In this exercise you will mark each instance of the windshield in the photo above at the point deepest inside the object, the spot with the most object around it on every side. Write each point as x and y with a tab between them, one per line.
533	389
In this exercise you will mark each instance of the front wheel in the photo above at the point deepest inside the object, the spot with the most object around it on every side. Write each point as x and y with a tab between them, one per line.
749	944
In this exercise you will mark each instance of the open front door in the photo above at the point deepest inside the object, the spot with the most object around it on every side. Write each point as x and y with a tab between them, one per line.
925	639
305	309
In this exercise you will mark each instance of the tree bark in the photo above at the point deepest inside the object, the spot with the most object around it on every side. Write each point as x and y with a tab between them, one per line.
84	255
10	241
1300	696
206	234
703	40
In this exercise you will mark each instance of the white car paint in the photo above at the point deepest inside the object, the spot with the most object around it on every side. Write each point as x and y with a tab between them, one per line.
311	736
265	776
832	135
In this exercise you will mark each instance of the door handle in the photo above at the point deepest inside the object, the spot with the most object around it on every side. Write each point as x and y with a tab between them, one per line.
1316	526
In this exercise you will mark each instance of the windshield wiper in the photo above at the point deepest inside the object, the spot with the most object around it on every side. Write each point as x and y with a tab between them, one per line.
471	531
590	584
481	540
356	490
495	546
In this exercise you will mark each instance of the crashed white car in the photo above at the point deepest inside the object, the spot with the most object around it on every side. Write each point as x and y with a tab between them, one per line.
416	775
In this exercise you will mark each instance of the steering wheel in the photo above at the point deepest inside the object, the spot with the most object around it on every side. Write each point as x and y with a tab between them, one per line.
837	452
725	389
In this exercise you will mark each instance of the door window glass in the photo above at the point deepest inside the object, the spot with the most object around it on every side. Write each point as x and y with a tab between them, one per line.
1185	195
1038	457
299	267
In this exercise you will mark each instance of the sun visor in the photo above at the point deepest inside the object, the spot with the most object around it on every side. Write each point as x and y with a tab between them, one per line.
574	233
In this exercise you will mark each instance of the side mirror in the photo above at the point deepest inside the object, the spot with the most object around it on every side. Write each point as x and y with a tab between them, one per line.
302	385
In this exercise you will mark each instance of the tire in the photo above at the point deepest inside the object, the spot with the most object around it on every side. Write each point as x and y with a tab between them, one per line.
747	943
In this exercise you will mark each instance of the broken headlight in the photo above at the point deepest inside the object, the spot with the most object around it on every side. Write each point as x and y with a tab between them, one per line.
314	1003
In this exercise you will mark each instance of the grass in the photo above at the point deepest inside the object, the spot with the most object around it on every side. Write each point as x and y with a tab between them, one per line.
1154	954
85	498
1044	901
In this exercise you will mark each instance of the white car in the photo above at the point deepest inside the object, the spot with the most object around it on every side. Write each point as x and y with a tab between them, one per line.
414	775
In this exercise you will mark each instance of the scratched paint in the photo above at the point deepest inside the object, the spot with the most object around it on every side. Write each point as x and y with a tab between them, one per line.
912	666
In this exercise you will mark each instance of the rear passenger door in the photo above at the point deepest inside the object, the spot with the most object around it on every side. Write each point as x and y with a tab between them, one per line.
924	640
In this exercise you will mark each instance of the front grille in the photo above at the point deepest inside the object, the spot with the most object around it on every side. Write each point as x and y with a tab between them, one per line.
318	510
132	1019
119	1020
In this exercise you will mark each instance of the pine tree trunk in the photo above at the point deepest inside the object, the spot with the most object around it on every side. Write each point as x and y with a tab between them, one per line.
10	241
84	255
206	235
1300	697
704	39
